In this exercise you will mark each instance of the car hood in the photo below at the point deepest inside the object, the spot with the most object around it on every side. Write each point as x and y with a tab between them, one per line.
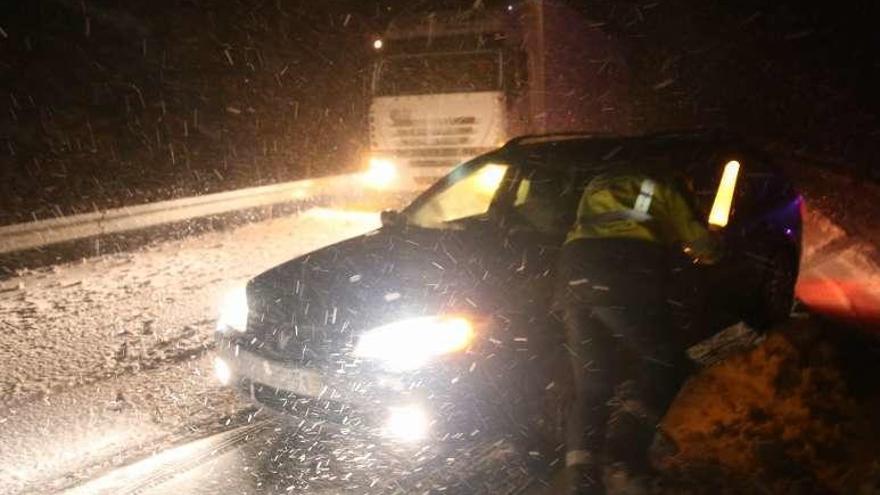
317	304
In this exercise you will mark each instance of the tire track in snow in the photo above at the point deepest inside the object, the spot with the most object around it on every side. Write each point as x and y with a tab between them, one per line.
140	476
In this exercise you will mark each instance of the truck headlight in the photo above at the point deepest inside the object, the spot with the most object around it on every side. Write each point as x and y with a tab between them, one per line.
233	311
411	343
407	423
381	172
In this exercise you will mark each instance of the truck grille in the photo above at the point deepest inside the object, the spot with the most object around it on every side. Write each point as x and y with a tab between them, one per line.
432	142
428	133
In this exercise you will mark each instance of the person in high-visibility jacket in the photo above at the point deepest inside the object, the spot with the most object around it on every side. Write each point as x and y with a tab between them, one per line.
627	367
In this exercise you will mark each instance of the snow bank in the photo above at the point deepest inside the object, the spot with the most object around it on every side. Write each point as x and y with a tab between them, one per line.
796	414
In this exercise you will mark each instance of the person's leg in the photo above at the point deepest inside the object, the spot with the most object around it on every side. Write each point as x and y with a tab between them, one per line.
587	281
664	372
572	305
659	387
657	369
630	424
591	349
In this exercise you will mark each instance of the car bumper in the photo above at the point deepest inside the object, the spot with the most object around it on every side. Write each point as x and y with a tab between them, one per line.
404	407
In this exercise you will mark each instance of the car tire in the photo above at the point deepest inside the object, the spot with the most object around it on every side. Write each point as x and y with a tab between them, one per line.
774	298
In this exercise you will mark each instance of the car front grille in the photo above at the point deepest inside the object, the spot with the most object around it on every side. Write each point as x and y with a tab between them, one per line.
311	408
289	333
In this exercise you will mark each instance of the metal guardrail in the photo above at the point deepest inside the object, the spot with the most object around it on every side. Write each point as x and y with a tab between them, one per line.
41	233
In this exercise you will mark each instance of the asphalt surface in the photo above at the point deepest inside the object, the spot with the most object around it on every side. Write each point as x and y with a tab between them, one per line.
117	394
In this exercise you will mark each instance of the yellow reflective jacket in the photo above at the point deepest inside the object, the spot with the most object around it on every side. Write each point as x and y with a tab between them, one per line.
635	206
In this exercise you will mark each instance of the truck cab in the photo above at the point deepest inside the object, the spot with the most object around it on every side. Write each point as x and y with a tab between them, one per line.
438	95
448	86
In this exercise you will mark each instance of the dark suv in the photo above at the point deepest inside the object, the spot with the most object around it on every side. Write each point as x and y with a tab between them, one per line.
440	320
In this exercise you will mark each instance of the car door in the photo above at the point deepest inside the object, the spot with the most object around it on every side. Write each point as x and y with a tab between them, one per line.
539	211
728	286
540	208
700	295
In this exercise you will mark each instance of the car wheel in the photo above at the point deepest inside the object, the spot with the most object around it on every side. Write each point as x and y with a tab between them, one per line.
775	295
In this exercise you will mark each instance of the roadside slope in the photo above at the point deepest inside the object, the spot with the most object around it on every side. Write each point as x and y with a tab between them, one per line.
796	413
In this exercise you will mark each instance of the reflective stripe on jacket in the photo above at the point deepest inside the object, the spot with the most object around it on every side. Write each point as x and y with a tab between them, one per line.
634	206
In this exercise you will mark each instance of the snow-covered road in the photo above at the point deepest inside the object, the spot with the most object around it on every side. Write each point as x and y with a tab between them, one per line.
280	455
103	359
119	370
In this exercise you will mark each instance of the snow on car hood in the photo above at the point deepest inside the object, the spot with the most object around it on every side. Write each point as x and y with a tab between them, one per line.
326	298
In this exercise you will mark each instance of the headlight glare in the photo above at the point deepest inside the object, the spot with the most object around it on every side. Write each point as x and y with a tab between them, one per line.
233	311
407	423
381	173
222	371
411	343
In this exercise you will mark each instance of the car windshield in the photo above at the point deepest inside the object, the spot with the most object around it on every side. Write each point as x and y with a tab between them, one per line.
540	200
467	192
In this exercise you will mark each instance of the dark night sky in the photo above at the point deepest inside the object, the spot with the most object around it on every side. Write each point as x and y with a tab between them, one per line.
114	101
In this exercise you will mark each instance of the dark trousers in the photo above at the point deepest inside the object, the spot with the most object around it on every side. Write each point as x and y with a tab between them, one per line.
627	368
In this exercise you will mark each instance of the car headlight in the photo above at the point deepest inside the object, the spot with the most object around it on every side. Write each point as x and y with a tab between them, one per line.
381	172
411	343
233	311
222	371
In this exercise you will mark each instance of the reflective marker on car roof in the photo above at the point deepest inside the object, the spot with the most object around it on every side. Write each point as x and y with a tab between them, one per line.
720	213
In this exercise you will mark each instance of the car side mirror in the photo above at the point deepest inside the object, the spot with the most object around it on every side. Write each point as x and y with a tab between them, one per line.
391	218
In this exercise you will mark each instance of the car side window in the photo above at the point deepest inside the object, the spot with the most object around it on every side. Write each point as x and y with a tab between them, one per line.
761	184
705	186
544	203
752	187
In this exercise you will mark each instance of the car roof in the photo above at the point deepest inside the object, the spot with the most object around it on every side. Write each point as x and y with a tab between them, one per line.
669	151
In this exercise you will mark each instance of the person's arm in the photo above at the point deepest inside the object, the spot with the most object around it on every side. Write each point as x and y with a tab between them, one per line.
698	242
